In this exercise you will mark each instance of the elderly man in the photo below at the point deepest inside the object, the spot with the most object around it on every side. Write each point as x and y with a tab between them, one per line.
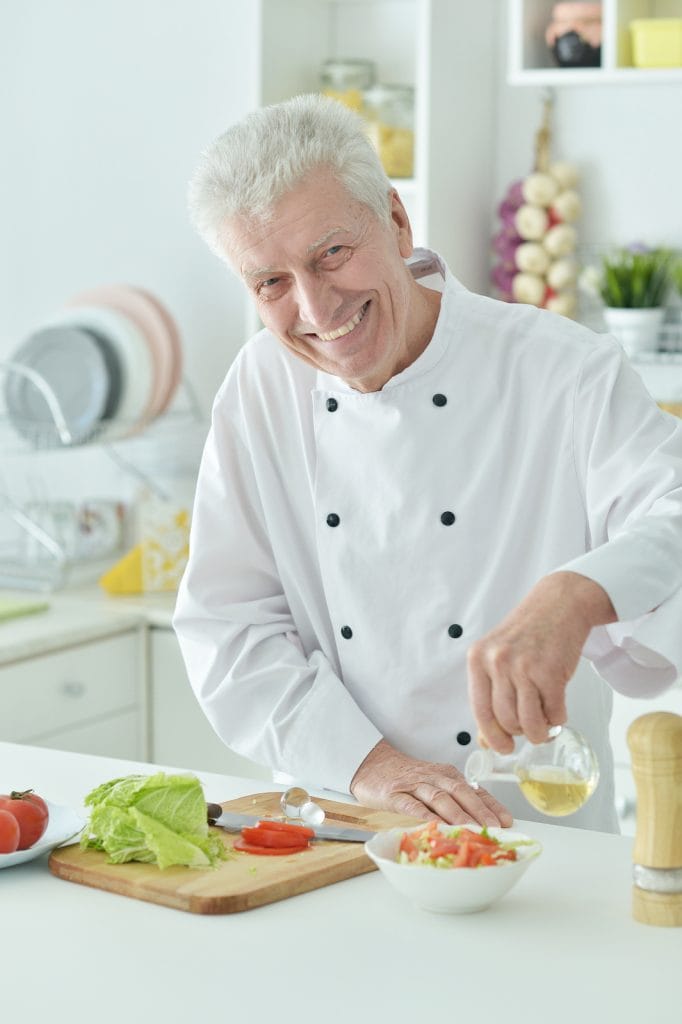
419	510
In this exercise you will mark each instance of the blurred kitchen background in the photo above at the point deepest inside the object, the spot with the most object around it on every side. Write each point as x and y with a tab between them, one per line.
105	108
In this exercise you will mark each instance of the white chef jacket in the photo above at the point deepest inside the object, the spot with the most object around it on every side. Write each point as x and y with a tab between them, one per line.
346	548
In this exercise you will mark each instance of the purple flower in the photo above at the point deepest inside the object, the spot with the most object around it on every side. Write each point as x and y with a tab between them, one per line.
638	247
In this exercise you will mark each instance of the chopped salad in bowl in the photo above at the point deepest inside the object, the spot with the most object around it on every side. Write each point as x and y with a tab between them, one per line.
482	864
457	847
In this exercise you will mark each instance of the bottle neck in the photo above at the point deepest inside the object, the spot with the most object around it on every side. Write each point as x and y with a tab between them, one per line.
487	765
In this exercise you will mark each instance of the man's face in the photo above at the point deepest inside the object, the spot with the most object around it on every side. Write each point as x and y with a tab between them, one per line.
329	280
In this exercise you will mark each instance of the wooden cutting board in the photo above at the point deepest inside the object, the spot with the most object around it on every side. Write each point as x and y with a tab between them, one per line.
245	880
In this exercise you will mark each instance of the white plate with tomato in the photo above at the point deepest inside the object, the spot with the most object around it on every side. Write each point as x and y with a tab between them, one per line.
31	826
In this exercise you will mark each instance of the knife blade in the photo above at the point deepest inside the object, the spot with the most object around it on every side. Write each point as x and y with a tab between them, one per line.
233	822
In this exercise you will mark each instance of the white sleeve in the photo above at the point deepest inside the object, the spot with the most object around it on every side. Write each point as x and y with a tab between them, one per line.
246	664
628	458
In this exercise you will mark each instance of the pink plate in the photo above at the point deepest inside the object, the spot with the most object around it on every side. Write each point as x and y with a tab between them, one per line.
145	315
175	342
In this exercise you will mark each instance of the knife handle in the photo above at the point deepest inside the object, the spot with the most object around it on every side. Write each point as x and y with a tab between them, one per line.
213	811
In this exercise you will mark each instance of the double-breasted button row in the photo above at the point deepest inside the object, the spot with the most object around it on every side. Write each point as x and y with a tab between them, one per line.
438	400
455	631
446	518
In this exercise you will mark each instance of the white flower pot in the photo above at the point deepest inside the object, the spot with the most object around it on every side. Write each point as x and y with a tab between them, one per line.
636	329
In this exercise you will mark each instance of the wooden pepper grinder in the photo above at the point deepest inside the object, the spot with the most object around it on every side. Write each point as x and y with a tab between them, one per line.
655	742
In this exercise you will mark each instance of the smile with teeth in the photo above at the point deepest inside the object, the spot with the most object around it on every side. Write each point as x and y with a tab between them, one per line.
345	328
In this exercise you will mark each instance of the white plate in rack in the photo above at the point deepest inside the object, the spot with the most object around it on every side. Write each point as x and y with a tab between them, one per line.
135	358
155	324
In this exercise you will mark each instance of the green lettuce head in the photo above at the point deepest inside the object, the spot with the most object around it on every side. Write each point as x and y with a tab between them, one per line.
158	819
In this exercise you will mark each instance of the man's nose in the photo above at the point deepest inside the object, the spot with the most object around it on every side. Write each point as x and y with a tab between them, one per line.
317	302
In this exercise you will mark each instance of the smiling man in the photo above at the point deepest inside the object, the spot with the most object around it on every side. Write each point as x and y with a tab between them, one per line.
419	510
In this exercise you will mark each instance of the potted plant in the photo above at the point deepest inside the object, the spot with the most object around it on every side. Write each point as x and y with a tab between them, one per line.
676	274
633	284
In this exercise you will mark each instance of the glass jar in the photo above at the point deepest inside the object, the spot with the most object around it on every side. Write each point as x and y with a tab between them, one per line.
346	79
389	110
557	777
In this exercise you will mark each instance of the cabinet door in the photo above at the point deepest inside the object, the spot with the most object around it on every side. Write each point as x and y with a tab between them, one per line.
67	697
116	735
181	734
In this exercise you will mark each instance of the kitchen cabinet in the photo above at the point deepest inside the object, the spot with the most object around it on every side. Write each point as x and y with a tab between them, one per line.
447	51
180	732
87	698
531	63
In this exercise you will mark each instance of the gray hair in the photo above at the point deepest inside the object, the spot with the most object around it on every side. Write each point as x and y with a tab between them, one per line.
259	159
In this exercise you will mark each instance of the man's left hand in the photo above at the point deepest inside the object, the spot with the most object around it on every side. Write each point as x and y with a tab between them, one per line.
518	672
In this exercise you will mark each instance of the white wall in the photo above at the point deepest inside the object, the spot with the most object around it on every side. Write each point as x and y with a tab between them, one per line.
105	107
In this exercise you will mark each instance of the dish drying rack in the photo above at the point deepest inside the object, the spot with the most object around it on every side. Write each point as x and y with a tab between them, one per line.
54	564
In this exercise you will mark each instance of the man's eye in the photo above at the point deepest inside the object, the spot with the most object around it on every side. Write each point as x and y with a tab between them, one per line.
333	250
269	283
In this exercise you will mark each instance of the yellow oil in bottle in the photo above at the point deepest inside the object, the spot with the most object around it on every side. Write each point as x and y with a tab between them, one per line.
555	791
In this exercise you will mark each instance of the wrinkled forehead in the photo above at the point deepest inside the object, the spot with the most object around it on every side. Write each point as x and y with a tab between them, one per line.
299	223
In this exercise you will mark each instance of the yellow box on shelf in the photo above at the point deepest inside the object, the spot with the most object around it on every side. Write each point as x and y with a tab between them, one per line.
656	42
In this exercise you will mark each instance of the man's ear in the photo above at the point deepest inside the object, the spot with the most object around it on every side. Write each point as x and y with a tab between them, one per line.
401	225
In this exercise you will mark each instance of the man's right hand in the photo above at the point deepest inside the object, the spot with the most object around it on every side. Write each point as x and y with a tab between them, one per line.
391	781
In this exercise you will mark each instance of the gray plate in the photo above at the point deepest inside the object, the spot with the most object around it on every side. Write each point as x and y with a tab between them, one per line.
72	363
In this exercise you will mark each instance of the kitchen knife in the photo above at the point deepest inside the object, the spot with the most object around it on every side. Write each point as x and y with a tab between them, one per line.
234	822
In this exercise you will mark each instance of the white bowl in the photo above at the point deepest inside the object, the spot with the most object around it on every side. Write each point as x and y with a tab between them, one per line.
451	890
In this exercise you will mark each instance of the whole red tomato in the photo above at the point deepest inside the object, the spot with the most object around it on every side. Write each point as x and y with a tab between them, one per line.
31	813
9	832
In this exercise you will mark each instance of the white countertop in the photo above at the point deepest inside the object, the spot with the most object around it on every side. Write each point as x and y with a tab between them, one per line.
78	616
562	945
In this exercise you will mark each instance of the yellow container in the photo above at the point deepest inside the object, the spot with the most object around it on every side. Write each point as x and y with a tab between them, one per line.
656	42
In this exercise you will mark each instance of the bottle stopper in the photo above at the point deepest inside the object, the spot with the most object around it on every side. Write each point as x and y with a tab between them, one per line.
655	742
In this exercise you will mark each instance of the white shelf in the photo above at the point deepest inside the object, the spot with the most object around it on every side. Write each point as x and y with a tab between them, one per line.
530	61
594	76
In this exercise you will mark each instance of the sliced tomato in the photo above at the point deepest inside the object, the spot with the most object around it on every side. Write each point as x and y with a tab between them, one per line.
467	836
505	855
442	847
267	851
285	826
272	838
408	846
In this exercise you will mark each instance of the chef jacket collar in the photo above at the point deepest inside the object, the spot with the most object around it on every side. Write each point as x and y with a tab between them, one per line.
423	263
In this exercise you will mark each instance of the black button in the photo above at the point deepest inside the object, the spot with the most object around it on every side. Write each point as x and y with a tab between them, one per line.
333	519
447	518
464	738
439	400
332	404
346	632
454	631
